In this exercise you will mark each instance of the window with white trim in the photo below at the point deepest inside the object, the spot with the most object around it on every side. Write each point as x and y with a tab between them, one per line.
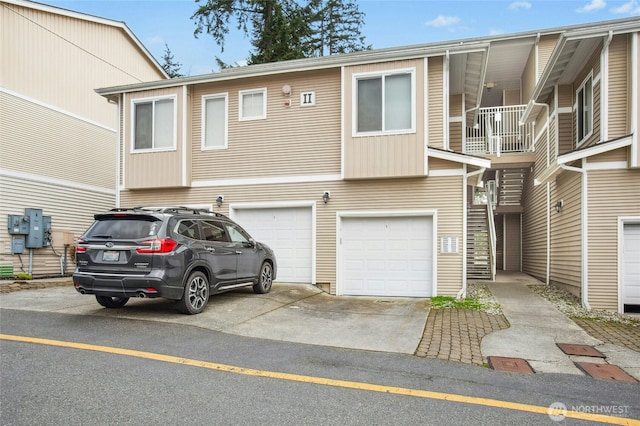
154	124
214	121
253	104
384	103
584	110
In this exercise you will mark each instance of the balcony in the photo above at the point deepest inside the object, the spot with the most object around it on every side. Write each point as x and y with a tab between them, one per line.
497	131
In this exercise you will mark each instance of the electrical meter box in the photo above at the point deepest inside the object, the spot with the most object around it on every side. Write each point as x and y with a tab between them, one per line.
17	245
18	224
36	228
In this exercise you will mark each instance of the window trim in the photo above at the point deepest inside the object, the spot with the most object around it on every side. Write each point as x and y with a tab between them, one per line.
242	93
382	74
203	127
579	109
153	101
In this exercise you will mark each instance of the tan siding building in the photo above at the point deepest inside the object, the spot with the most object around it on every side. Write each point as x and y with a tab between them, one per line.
392	172
57	134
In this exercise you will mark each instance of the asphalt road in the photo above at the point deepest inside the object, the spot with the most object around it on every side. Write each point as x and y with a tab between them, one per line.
179	374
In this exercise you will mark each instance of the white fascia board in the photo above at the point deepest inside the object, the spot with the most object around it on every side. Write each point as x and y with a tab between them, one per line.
594	150
459	158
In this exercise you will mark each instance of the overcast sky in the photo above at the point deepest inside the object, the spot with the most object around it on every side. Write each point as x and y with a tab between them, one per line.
388	23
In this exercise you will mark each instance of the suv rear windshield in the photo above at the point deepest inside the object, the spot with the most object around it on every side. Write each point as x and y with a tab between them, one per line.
126	228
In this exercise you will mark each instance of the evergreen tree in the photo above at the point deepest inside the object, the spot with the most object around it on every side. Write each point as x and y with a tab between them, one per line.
169	65
282	29
334	28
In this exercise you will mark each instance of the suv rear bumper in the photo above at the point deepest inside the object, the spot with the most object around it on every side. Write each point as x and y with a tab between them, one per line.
125	286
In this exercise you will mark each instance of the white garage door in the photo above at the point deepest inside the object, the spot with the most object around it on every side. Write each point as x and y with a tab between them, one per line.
288	231
630	264
387	256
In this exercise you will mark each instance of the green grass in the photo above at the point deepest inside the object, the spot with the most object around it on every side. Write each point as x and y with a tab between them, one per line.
448	302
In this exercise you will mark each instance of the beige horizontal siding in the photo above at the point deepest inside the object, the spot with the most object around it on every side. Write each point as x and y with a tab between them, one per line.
529	76
393	155
39	48
444	194
546	45
71	210
435	104
615	155
619	85
155	169
534	230
40	141
566	231
291	141
512	242
611	195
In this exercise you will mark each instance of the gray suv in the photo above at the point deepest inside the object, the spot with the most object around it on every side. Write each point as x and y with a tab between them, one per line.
172	252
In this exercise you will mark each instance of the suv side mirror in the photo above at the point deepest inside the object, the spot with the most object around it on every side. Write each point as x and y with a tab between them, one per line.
251	243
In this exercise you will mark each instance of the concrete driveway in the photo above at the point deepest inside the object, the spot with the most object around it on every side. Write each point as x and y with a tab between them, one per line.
290	312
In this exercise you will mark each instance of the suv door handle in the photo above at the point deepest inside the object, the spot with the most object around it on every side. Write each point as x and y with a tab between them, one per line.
238	252
211	249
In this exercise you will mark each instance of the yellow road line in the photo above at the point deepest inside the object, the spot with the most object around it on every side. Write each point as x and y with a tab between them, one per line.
324	381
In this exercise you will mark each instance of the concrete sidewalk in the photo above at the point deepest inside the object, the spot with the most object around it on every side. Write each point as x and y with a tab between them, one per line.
304	314
290	312
536	327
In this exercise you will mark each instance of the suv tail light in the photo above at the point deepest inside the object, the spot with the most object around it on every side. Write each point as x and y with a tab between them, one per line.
158	245
79	248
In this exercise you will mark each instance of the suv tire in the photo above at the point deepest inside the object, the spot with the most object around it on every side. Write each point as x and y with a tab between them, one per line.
196	294
265	279
112	302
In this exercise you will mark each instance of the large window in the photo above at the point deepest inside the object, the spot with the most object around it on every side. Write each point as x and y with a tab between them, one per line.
214	122
154	124
584	110
385	103
253	104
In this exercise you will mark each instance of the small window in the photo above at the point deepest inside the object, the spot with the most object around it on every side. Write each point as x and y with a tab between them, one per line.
253	104
213	231
154	124
189	228
584	110
214	122
237	234
384	103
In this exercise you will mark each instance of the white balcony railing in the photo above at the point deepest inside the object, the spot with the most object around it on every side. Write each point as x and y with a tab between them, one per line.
498	131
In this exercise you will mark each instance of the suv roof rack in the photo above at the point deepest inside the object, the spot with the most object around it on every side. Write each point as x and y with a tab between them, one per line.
170	209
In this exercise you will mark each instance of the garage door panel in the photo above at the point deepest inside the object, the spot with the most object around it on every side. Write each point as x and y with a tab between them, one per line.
288	231
396	254
630	264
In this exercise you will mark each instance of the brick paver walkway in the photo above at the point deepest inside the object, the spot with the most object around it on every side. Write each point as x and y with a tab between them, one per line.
455	334
627	335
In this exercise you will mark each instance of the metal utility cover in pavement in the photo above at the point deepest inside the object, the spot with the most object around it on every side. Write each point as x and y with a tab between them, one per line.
510	365
605	372
581	350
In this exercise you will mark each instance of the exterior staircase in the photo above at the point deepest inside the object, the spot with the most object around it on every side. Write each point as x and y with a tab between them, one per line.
478	244
511	186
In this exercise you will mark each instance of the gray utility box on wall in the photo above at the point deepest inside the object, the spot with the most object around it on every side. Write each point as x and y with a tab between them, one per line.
33	225
36	228
18	224
17	245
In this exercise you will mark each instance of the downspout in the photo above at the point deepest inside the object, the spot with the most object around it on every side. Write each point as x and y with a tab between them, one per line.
463	291
584	278
604	89
548	274
445	100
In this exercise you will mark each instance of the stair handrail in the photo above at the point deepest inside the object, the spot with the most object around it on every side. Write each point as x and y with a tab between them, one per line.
492	239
